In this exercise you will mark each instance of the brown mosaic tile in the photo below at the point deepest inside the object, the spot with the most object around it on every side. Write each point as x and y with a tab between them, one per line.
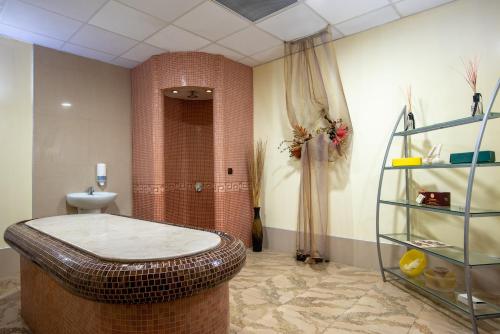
47	307
128	283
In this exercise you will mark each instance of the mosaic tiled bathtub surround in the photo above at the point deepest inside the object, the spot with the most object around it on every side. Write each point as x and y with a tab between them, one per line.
49	308
128	283
232	139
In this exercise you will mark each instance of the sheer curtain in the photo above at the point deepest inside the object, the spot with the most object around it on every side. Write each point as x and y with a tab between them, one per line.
310	67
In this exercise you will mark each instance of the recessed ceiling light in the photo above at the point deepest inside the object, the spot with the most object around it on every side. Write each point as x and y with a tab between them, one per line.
66	104
208	91
175	91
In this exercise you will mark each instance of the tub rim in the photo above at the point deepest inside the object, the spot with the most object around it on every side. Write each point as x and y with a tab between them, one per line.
135	282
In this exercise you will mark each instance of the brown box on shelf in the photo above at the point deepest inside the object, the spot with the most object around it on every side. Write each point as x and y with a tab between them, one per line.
436	198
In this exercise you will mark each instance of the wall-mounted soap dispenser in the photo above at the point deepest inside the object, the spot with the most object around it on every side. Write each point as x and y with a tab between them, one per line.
101	174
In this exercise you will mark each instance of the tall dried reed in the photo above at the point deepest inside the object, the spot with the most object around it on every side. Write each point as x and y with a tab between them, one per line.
256	170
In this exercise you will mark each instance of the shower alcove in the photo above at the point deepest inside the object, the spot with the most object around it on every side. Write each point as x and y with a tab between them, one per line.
180	140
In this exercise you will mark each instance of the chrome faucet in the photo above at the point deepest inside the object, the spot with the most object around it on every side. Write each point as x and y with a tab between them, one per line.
90	191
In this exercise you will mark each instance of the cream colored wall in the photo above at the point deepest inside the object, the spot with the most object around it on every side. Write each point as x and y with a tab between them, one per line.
16	125
425	51
68	143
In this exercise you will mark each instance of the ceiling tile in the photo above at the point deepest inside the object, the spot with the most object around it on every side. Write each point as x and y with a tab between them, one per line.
29	37
40	21
409	7
336	11
249	61
175	39
220	50
102	40
271	54
250	41
335	33
77	9
126	21
141	52
285	24
166	10
85	52
125	62
367	21
211	21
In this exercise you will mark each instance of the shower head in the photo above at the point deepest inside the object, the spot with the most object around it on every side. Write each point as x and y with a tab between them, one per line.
193	95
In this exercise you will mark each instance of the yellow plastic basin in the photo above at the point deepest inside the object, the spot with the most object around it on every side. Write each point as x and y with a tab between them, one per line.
413	263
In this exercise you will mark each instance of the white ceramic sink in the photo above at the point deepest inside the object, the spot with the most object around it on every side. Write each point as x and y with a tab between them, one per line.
90	203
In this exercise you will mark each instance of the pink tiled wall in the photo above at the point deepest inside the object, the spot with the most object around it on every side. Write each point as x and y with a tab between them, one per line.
189	158
232	140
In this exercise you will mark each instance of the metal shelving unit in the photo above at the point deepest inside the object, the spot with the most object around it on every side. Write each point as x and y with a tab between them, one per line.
456	255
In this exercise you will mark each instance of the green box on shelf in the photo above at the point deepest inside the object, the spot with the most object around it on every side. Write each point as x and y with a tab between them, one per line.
466	157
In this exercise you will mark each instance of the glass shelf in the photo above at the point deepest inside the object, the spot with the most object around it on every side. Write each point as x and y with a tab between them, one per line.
444	125
443	166
451	254
487	311
450	210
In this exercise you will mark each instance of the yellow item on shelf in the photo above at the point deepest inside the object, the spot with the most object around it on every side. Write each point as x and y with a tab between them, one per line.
440	279
413	161
413	263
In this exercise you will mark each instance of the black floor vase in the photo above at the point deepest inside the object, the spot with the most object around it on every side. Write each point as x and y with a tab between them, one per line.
257	234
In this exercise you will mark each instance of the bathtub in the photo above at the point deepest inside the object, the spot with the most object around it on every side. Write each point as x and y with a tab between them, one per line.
100	273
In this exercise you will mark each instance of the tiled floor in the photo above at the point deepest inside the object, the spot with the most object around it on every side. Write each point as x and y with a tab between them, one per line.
276	294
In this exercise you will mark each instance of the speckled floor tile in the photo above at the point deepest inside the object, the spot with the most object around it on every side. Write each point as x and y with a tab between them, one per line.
274	294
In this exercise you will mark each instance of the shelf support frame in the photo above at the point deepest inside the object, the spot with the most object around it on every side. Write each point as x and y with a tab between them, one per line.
379	191
467	215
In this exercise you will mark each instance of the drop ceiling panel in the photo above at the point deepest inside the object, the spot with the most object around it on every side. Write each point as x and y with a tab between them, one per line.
167	10
29	37
336	11
367	21
127	32
175	39
86	52
409	7
256	9
126	21
211	21
249	62
285	24
249	41
102	40
125	62
141	52
77	9
220	50
270	54
37	20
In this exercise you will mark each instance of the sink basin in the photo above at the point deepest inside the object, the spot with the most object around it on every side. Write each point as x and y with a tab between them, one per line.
90	203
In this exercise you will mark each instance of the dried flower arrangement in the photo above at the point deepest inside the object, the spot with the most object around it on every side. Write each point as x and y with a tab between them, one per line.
409	99
336	130
471	69
256	170
410	118
294	146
